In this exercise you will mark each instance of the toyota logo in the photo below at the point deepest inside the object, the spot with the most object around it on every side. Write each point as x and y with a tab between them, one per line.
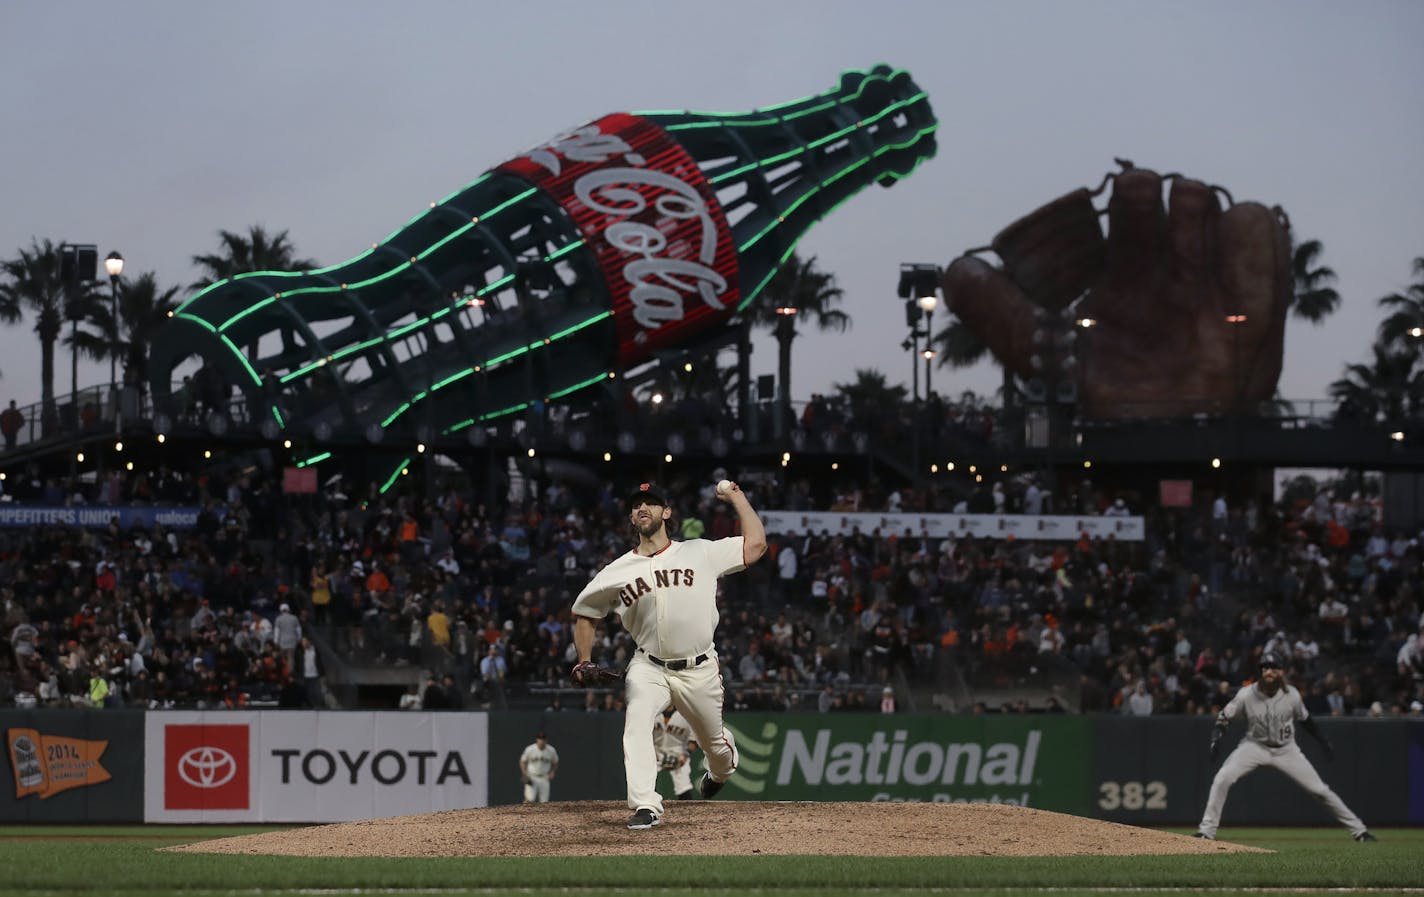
207	767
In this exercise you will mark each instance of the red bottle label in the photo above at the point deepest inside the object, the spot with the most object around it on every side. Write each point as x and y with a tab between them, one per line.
643	206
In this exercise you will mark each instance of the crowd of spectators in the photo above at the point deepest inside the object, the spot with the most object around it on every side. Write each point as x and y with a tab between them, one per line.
473	597
148	616
1171	624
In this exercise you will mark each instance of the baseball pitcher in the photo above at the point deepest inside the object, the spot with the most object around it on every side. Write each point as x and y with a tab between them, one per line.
537	766
665	592
671	737
1272	707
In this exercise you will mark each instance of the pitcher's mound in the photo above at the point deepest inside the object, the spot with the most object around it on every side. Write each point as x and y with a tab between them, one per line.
598	828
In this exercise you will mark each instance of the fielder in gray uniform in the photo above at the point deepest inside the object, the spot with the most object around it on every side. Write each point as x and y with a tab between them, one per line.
1272	708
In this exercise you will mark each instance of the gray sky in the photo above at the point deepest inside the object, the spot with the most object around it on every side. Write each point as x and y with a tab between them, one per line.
147	126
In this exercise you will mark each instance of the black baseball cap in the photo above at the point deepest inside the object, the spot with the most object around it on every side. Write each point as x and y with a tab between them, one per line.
1272	659
646	492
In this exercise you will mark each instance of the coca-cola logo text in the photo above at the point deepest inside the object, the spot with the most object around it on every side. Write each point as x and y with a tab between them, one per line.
658	282
643	206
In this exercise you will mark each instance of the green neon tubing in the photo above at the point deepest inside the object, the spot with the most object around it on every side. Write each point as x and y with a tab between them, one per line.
400	468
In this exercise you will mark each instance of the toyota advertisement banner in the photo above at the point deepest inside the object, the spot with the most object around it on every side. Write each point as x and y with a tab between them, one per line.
292	766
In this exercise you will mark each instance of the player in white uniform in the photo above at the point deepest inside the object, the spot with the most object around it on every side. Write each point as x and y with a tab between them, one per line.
1272	708
665	593
537	766
671	735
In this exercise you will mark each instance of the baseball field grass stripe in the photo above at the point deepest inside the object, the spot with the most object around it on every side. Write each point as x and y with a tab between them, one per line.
36	860
887	892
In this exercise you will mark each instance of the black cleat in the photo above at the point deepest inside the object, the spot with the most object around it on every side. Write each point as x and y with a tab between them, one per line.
1362	837
1203	836
709	786
686	795
644	818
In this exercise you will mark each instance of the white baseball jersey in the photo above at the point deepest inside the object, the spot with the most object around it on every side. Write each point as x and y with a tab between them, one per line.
667	602
1269	720
539	762
670	737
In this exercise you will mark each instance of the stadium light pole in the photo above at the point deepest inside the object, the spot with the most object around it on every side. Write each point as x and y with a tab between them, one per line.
785	333
1236	320
927	303
78	264
912	345
114	264
919	287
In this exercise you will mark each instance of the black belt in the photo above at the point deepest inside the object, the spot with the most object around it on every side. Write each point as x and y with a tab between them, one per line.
676	665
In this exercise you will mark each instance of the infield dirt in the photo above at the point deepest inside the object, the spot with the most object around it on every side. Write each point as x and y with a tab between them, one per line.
597	828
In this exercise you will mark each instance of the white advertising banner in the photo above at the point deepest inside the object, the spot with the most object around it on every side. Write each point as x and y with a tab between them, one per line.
308	766
1044	527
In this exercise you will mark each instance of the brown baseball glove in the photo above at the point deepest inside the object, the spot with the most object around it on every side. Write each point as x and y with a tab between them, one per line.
587	674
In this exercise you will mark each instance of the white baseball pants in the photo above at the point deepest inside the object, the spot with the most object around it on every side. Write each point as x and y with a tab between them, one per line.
537	791
697	693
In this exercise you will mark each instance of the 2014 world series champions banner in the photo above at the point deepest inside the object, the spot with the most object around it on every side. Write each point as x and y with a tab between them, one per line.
13	516
1044	527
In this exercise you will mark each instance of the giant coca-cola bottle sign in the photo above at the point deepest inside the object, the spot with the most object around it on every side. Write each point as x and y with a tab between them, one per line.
643	206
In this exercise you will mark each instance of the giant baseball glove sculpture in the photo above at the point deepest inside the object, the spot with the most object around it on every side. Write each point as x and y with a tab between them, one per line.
1188	301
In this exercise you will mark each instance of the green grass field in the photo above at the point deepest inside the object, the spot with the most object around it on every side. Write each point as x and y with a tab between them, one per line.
122	860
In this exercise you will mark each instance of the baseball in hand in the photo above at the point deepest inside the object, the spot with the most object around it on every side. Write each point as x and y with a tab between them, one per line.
724	487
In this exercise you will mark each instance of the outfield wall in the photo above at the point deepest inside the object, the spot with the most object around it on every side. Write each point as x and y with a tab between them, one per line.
307	766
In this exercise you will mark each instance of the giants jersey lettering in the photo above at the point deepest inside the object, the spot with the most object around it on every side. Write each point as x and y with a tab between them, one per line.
1269	720
667	602
639	587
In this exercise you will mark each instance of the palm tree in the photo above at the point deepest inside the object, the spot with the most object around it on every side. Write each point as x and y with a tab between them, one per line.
1384	391
32	284
871	399
958	346
1407	312
255	251
143	308
807	292
1314	298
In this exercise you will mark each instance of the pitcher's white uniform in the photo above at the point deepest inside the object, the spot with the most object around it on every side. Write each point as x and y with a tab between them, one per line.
668	604
1270	741
538	764
670	736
